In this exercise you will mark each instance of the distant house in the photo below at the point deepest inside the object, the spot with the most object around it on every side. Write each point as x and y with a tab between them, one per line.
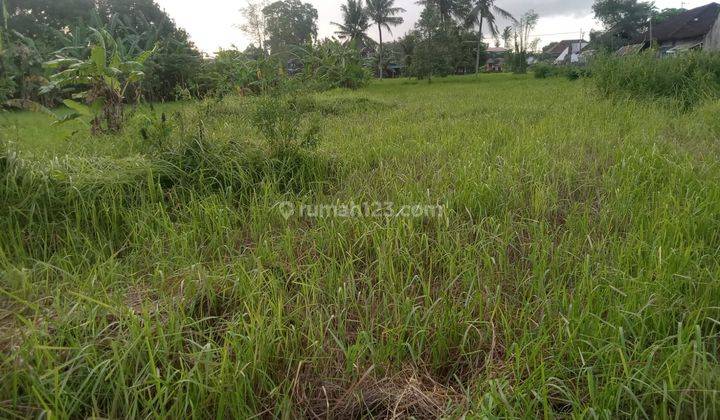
696	29
497	58
393	70
567	51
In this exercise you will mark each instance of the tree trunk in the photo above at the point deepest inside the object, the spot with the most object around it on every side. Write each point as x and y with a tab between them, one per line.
479	45
380	57
115	117
113	113
96	126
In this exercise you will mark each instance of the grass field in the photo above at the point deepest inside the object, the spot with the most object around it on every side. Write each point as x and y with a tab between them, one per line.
573	270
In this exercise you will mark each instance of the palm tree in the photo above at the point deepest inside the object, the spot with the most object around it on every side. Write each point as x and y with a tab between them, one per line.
384	13
507	36
447	8
484	11
355	23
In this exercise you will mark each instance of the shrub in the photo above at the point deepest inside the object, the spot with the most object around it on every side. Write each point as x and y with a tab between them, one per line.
544	70
518	62
575	73
334	65
232	71
282	122
686	80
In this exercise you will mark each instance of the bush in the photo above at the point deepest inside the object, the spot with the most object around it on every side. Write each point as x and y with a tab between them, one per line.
334	65
518	62
282	121
326	66
575	73
686	80
232	71
544	70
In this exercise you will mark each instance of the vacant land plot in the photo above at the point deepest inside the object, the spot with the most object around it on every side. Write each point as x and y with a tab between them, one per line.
559	256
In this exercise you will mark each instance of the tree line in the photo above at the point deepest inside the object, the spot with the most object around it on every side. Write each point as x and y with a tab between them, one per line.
448	39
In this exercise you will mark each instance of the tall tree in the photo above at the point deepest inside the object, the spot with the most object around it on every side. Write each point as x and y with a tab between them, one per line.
624	20
447	9
384	14
356	22
485	11
255	25
41	20
506	36
52	25
667	13
523	42
288	23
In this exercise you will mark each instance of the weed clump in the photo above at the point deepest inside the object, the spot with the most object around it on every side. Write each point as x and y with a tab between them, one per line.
282	123
544	71
686	80
291	128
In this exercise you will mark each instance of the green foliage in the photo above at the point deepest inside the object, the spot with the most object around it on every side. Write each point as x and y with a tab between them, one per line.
544	71
175	64
667	13
38	28
624	20
430	58
230	71
439	48
686	80
575	72
355	24
289	23
21	67
156	129
283	122
326	65
384	14
573	273
523	43
484	14
517	61
447	10
331	64
103	80
235	72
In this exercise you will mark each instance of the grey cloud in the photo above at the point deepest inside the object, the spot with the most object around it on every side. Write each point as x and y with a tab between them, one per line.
543	7
548	7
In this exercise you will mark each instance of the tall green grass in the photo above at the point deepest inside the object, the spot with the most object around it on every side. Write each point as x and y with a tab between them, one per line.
687	79
574	272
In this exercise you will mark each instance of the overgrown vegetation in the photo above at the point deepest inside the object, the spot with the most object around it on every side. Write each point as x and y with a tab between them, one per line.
106	75
34	30
543	71
687	79
247	252
573	270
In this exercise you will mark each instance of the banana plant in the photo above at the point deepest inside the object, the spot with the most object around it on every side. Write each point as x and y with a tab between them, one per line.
104	79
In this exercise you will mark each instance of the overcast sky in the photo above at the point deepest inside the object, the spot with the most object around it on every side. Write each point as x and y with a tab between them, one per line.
211	23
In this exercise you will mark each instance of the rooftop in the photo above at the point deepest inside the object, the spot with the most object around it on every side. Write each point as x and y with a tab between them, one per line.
497	50
563	45
694	23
